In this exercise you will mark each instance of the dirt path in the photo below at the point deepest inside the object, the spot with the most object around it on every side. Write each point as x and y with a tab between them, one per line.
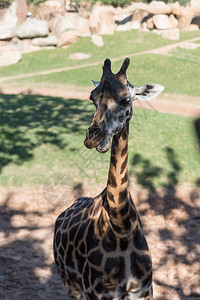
175	104
161	50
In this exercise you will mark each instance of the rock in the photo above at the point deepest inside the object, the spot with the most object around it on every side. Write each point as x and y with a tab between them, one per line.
135	25
171	34
144	27
15	13
150	23
7	31
81	25
60	25
9	55
21	11
124	27
97	40
173	21
33	28
49	9
158	6
10	16
187	14
189	46
107	23
162	21
85	9
156	31
51	40
66	38
79	55
124	22
102	20
26	46
193	27
139	15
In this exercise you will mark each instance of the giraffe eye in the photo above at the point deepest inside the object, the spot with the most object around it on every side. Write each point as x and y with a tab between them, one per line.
125	100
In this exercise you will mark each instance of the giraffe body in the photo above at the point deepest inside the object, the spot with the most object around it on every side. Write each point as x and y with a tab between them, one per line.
99	244
100	262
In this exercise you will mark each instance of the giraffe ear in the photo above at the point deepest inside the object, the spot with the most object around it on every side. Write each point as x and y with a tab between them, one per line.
96	83
148	91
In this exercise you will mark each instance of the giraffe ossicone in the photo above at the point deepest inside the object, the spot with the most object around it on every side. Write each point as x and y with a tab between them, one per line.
99	245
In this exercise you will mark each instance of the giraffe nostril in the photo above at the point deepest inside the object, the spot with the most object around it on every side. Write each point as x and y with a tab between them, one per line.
96	132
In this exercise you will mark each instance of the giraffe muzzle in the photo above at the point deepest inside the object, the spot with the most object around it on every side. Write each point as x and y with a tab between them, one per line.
94	139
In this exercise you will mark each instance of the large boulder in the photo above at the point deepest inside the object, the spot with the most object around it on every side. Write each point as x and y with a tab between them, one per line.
124	27
60	25
21	11
51	40
9	54
81	25
85	8
102	20
48	10
7	31
67	38
15	13
150	23
173	21
162	21
193	27
187	13
25	45
10	14
32	28
97	40
135	25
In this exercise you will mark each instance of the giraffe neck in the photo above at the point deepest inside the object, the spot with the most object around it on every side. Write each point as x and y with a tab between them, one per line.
118	198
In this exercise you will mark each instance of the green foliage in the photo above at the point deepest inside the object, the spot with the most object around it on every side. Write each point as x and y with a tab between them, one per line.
5	3
182	2
36	2
116	3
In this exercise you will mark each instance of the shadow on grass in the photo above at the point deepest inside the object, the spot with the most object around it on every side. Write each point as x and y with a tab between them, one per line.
147	172
28	121
197	129
180	236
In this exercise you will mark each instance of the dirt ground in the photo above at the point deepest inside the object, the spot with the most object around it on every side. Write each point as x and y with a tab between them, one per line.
171	220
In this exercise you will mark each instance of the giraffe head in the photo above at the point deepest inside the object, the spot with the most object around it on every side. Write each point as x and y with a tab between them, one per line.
113	97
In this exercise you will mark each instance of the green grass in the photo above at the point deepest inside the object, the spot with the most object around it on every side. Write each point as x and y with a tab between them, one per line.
189	55
40	136
117	45
178	75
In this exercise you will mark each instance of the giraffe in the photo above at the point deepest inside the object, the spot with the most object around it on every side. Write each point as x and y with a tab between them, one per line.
99	245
